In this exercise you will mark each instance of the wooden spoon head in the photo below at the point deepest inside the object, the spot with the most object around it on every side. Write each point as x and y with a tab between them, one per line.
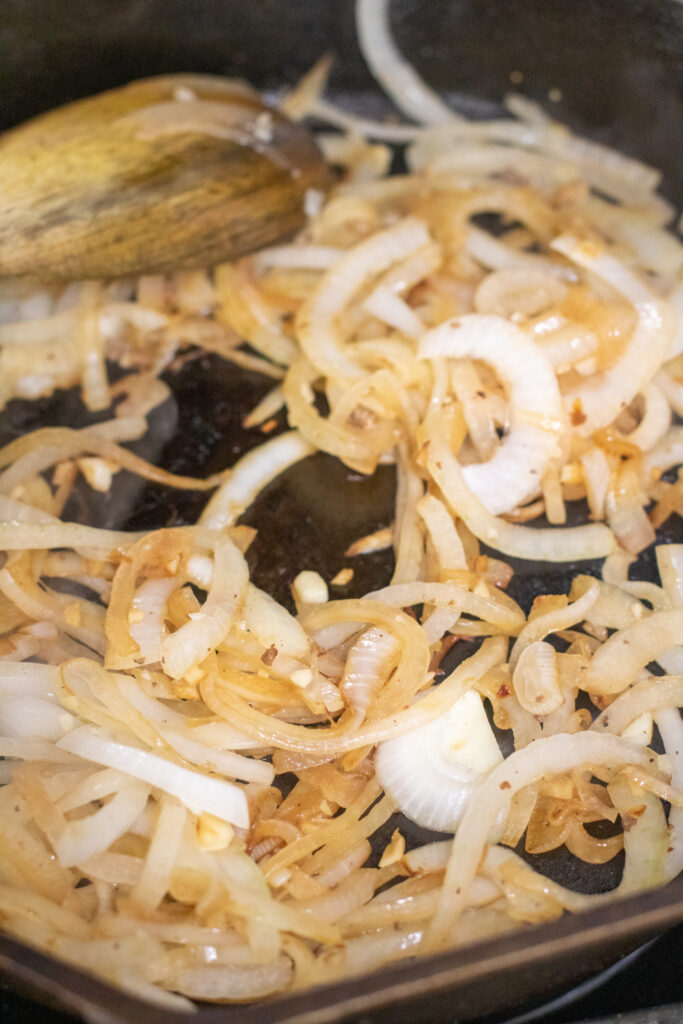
167	173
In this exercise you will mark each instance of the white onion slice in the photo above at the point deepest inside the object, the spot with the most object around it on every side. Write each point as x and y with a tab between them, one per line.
250	475
396	76
392	310
670	568
649	695
234	982
194	640
26	715
18	536
316	320
603	398
671	385
368	666
625	654
676	300
30	678
298	257
529	292
514	471
443	534
536	679
655	421
87	836
496	255
149	631
553	544
484	819
596	477
670	726
224	762
173	727
665	454
197	791
434	772
657	249
540	626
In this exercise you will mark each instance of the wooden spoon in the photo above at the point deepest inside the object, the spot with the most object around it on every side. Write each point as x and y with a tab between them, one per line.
166	173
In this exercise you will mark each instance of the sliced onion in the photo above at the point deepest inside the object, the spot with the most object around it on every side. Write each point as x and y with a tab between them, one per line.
676	300
624	509
528	292
368	665
444	536
664	455
197	791
657	249
194	640
496	608
655	421
16	536
300	257
87	836
315	323
250	475
596	476
484	819
496	255
670	727
670	567
565	344
240	982
671	386
619	660
391	309
536	679
173	727
273	626
26	715
602	399
224	762
149	632
649	695
646	836
30	678
434	772
615	608
408	91
540	626
554	544
514	472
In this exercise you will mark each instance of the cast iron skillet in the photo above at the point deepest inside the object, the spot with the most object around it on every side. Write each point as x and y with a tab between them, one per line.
613	70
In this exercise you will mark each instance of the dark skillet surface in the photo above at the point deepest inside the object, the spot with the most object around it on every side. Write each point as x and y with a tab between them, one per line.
619	69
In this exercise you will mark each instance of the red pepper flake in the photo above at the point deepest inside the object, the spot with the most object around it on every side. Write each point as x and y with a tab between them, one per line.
577	415
504	691
269	426
505	785
269	656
